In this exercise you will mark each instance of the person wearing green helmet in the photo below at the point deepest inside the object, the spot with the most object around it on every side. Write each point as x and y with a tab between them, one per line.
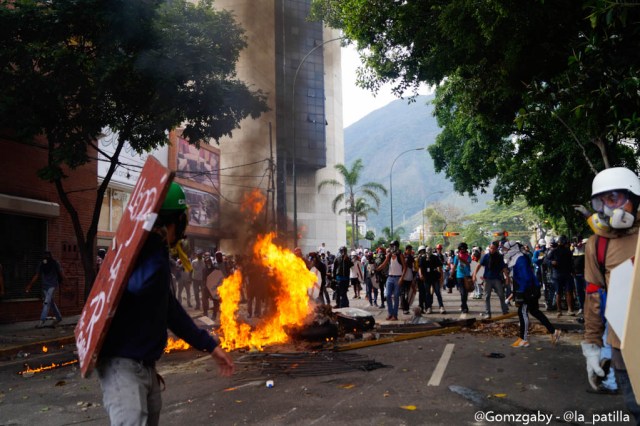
138	333
174	210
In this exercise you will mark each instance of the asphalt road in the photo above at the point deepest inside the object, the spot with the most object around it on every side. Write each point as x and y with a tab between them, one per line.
535	381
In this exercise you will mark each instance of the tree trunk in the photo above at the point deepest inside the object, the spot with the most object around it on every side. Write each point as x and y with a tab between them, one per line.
86	244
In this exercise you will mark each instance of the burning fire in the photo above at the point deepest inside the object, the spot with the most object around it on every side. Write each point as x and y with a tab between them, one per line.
253	203
53	365
289	277
175	345
45	349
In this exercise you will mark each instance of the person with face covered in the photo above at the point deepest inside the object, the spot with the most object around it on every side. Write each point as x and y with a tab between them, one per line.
461	270
138	333
615	197
526	288
342	269
52	276
396	270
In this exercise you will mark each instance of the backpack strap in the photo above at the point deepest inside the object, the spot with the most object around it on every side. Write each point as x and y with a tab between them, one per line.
602	245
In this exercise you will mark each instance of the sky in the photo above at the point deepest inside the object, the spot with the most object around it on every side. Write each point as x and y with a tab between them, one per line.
357	102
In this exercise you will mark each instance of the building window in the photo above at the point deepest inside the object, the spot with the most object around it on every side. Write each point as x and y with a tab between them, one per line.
20	258
113	205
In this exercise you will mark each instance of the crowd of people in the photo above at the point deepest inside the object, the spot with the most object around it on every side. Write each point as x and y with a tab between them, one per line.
569	277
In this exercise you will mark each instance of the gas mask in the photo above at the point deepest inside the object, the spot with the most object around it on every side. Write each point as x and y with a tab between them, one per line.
610	212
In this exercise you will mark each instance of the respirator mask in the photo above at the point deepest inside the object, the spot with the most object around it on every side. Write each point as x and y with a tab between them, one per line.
610	211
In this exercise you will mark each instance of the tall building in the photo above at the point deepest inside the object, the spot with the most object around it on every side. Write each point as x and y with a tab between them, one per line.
297	64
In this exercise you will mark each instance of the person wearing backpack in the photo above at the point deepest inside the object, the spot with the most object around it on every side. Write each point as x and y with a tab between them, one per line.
615	198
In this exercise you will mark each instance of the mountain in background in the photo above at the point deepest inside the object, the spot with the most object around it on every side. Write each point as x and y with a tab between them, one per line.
378	139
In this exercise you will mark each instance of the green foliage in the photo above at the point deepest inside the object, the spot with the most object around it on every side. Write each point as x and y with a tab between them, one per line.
69	69
536	96
387	237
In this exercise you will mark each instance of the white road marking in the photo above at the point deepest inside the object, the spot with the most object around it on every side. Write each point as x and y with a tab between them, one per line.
436	377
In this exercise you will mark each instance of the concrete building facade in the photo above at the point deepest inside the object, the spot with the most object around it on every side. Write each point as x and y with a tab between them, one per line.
296	63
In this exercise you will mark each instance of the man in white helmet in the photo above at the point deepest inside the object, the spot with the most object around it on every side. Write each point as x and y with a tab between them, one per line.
615	197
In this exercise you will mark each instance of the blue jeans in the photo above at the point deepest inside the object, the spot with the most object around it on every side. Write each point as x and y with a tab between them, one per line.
393	295
609	382
131	391
49	304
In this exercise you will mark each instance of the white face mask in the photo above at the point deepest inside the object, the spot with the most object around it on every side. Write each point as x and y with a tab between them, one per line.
619	218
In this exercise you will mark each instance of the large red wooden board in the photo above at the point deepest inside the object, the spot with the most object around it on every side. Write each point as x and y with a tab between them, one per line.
137	220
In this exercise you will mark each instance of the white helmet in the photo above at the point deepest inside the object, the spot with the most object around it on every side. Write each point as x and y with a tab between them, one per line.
542	242
511	251
421	248
615	179
353	252
619	178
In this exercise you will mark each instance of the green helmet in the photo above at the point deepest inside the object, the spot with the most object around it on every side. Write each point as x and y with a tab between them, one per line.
175	199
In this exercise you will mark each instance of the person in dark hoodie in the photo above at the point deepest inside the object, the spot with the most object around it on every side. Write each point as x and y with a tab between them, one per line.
138	333
52	276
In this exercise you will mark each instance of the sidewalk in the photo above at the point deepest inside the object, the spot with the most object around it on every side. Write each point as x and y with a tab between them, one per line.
25	337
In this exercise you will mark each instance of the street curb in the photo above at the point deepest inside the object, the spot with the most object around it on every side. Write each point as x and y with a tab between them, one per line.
36	346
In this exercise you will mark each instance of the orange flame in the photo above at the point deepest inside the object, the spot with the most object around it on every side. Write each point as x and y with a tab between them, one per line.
176	345
253	203
293	280
45	349
47	367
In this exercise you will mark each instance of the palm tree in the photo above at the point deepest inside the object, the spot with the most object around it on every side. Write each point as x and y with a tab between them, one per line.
361	209
351	188
397	233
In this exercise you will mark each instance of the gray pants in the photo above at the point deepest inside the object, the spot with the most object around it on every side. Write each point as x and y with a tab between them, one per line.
131	391
499	288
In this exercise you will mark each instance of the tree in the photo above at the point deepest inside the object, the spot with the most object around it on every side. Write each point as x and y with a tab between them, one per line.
352	188
360	209
443	217
138	68
545	93
397	234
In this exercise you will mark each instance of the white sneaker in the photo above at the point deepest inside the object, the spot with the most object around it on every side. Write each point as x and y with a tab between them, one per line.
555	337
442	311
520	343
429	311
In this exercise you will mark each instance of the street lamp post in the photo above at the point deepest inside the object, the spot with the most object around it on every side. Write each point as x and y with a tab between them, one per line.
293	150
424	234
391	182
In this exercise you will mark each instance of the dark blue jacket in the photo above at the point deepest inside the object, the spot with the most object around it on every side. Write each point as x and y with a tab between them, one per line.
148	308
523	276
